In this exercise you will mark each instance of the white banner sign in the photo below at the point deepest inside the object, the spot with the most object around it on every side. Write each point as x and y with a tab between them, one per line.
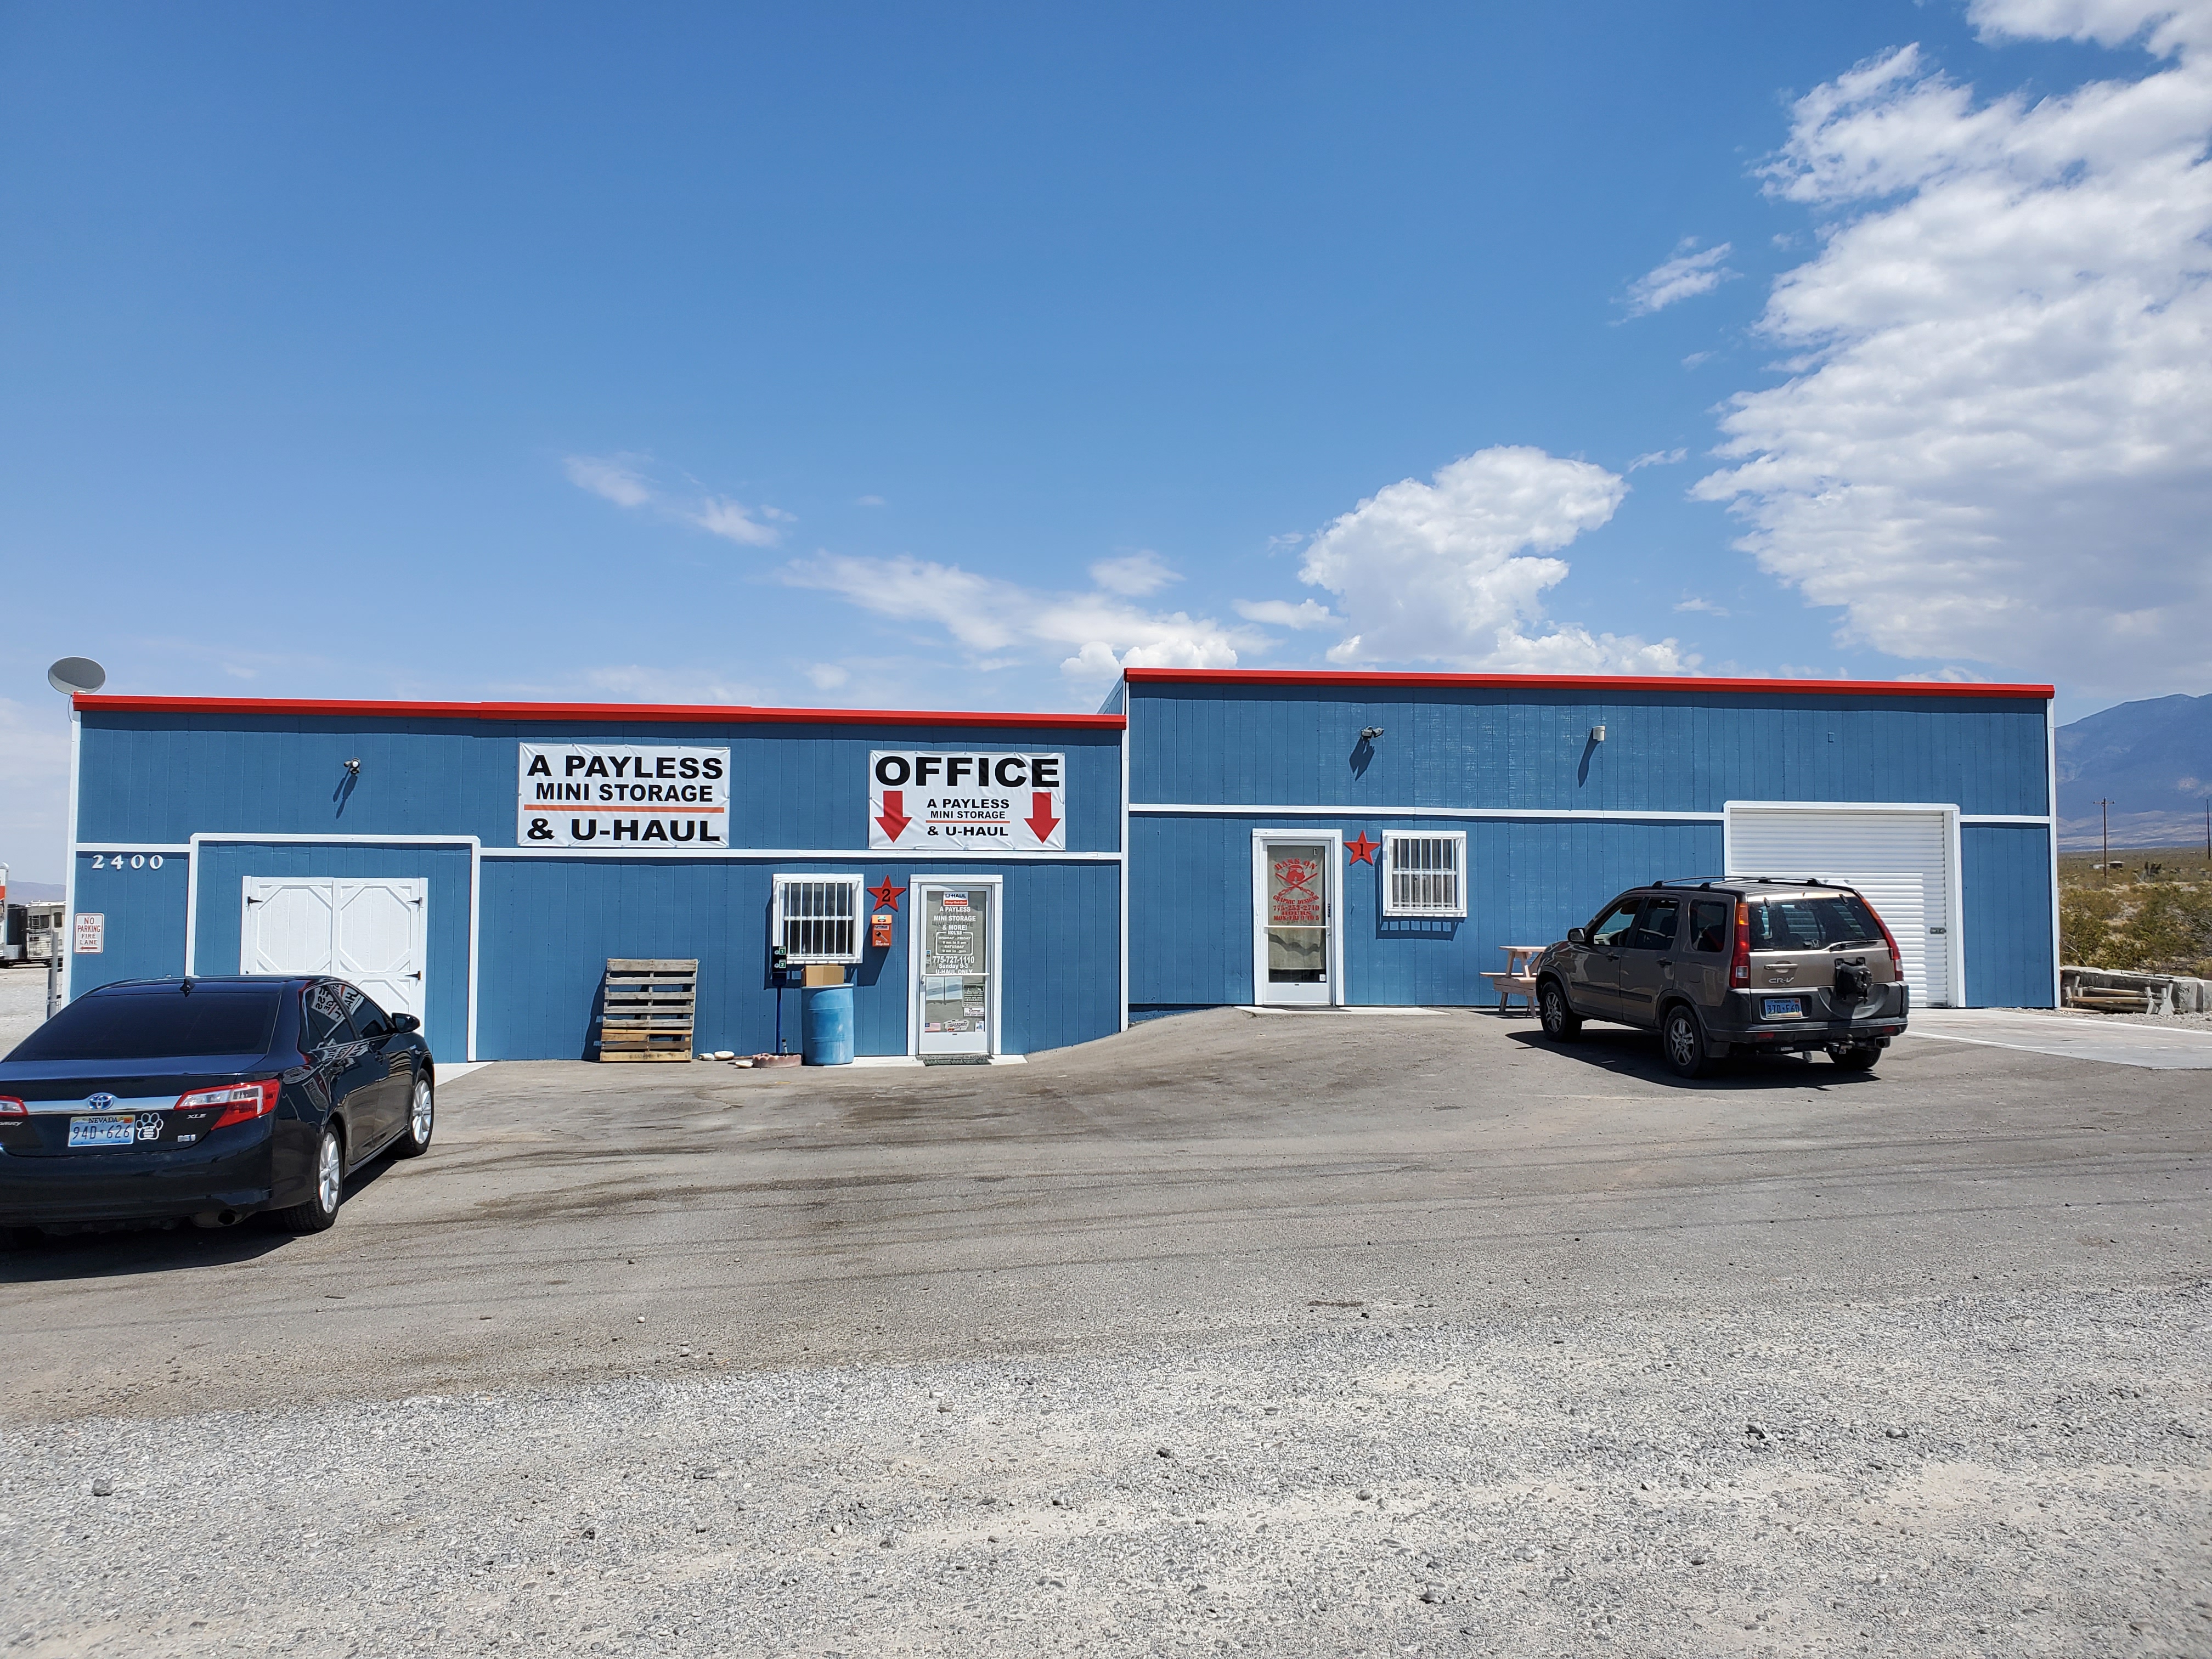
920	800
620	797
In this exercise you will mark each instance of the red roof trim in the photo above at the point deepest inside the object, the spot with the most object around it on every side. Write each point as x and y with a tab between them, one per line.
702	713
1587	683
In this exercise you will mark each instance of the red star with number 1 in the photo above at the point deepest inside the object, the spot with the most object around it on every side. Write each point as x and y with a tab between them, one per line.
1362	850
885	896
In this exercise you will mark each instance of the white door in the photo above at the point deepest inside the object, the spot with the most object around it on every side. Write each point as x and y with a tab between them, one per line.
1294	955
1900	858
374	933
956	976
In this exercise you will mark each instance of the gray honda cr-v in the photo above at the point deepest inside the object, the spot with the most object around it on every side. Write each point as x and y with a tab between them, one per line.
1740	965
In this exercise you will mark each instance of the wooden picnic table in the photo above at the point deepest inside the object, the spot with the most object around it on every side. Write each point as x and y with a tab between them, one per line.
1515	979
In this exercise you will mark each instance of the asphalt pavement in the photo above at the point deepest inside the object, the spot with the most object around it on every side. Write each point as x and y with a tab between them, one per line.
640	1357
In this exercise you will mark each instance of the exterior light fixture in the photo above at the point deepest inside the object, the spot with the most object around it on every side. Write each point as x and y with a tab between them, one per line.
1597	734
1368	733
354	767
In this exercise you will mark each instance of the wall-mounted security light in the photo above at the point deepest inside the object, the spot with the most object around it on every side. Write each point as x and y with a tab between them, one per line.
1368	733
354	767
1597	734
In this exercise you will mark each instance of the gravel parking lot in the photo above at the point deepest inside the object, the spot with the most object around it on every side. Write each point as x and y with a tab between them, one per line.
1322	1333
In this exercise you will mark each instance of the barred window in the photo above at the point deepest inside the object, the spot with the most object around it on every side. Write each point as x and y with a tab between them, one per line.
817	918
1425	875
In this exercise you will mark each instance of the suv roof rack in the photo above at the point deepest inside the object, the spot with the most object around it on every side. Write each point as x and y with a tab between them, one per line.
1743	881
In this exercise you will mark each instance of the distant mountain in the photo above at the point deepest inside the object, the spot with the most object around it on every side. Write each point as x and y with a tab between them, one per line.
2152	759
34	892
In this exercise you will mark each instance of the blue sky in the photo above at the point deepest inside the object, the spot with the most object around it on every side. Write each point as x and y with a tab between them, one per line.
947	356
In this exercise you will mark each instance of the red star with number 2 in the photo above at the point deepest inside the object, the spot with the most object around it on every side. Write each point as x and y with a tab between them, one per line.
1362	850
885	896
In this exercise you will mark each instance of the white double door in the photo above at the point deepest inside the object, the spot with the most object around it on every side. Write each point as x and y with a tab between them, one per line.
372	933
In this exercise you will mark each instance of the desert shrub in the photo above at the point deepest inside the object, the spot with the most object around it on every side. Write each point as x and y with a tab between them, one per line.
2154	927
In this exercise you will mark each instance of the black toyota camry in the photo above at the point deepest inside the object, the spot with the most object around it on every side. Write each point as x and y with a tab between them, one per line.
213	1099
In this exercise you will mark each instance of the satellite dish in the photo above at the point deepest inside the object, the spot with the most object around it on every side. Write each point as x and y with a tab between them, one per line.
72	675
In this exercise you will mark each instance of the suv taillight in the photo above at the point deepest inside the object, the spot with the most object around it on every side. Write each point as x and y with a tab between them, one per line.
1896	960
241	1101
1739	965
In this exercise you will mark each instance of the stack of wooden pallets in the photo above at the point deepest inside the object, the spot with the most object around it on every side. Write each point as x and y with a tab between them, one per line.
647	1008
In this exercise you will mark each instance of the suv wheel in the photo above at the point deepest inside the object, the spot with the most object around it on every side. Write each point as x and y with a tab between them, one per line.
1856	1056
1682	1042
1561	1023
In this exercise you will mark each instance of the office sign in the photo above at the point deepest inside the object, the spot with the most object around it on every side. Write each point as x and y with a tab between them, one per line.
622	797
923	800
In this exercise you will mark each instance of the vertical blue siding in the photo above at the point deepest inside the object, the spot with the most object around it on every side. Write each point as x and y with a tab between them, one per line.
1669	750
145	912
1190	934
549	925
224	867
2006	891
165	777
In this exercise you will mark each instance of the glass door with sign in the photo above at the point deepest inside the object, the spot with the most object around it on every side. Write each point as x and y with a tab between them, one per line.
955	991
1292	958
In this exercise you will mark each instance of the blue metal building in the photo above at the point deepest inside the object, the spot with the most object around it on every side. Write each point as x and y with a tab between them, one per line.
1452	814
1285	837
400	846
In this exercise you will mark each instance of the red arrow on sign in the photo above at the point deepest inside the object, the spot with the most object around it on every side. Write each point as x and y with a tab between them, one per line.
894	819
1041	821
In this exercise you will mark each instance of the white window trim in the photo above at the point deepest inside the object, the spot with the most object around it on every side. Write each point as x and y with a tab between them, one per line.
853	882
1390	907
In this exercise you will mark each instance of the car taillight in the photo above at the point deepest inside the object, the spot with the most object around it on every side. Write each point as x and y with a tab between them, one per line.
1739	965
11	1107
1896	961
241	1101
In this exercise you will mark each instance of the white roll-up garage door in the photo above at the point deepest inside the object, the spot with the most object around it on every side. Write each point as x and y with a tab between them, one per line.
1899	858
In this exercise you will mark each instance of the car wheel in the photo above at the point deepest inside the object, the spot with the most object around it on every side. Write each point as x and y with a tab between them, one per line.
1682	1042
1856	1056
321	1207
421	1119
1561	1023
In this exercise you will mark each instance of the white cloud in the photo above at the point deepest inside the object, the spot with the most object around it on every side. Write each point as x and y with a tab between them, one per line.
1659	458
749	526
1135	575
1705	605
1996	439
1281	613
1682	277
615	478
1451	571
622	479
870	500
827	675
1003	623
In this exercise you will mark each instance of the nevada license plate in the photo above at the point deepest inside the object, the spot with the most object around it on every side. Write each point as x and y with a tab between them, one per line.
1785	1008
118	1131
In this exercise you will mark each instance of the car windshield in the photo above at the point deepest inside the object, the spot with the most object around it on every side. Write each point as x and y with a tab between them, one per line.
163	1024
1813	924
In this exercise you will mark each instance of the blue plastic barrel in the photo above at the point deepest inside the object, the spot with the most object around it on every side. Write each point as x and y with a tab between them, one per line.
827	1019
